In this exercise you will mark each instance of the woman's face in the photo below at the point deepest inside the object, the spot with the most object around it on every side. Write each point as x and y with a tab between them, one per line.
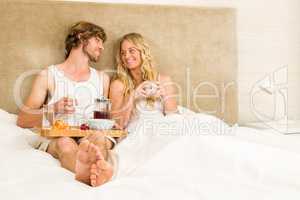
130	55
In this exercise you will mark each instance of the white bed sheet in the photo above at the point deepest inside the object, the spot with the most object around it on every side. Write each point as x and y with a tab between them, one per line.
244	165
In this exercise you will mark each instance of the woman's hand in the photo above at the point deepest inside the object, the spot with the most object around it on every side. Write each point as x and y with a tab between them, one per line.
150	89
160	91
140	91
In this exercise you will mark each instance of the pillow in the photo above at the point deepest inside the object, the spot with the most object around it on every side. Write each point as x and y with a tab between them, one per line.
12	136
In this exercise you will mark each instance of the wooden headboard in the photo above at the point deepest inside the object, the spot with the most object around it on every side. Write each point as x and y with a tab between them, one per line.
196	46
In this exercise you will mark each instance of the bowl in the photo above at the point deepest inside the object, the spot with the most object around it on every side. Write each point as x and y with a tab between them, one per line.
101	124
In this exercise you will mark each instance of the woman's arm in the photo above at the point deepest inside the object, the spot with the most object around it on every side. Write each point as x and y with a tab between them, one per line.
121	106
168	94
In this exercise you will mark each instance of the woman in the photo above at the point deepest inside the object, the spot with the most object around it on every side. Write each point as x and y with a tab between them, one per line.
140	96
138	88
143	102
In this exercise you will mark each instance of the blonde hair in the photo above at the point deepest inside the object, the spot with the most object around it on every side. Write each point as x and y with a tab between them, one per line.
147	68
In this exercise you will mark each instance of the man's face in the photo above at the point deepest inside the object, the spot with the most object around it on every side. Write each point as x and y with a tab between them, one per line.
93	48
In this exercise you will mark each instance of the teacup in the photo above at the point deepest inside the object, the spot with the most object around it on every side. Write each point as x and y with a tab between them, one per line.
150	88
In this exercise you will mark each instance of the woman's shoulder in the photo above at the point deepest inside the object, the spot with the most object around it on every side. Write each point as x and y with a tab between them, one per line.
117	84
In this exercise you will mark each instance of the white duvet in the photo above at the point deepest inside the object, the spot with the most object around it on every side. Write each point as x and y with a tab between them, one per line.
241	164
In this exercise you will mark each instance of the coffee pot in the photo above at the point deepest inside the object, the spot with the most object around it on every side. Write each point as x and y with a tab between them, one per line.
102	108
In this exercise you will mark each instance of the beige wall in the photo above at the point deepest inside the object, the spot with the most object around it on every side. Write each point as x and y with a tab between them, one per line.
268	39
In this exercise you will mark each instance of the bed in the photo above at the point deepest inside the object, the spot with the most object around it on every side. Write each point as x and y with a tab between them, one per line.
200	45
250	164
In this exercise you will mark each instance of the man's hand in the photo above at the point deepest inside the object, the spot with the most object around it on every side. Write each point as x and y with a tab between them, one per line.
65	105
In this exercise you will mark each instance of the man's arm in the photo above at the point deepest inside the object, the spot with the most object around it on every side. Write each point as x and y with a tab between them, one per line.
28	115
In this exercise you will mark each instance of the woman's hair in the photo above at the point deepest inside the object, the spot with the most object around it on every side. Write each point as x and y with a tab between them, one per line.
147	68
81	32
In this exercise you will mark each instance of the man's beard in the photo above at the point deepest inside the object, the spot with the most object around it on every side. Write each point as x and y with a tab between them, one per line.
90	56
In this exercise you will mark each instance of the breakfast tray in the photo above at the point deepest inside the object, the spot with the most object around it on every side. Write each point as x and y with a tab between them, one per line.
76	132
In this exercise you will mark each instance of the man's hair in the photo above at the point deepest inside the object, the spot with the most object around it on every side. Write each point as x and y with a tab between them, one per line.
80	32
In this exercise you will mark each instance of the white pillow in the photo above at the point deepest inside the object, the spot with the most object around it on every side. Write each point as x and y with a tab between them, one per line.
12	136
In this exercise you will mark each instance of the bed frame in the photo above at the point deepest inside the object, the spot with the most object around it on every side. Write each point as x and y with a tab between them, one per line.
196	46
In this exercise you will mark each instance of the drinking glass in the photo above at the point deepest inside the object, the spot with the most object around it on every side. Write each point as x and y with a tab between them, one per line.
48	116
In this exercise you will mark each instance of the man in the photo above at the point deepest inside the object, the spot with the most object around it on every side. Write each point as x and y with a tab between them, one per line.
70	87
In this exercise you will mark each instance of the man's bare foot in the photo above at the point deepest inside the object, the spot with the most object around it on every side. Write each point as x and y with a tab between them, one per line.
87	155
101	172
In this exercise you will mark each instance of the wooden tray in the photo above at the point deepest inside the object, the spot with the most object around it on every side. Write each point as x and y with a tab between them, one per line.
76	132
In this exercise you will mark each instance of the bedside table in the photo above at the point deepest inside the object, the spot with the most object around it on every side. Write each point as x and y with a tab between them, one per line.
289	127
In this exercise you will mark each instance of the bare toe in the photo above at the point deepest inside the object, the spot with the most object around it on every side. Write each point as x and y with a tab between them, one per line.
103	165
82	151
93	176
101	172
84	145
93	151
83	162
91	168
94	170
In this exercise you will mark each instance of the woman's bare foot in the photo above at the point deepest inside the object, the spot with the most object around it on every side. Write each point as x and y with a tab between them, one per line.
87	154
101	172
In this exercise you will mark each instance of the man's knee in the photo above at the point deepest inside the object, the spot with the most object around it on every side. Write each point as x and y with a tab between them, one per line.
66	145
